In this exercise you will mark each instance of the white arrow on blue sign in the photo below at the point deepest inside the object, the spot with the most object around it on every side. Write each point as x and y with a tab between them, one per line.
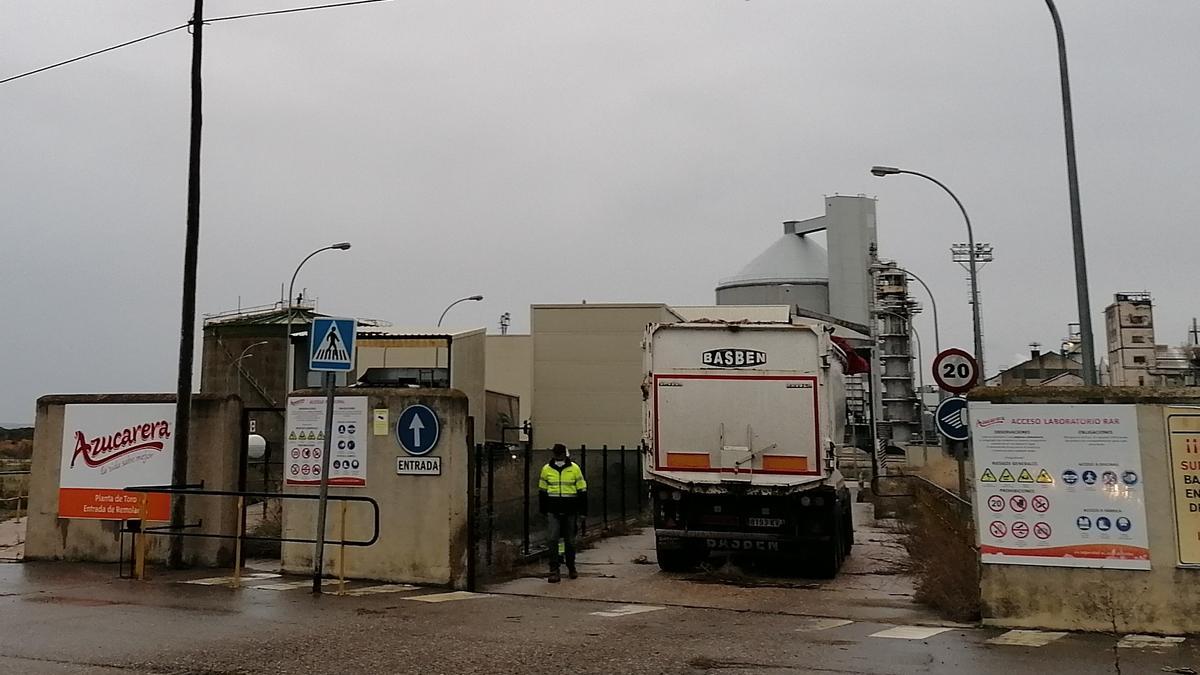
331	344
417	429
951	418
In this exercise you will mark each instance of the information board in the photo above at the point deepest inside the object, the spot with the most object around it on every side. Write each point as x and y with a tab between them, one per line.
1059	485
306	441
1183	433
110	446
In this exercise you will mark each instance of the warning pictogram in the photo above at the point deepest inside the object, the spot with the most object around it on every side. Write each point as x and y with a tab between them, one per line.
1045	477
988	476
998	528
1040	504
1025	476
1018	503
1020	529
1041	530
292	436
1007	477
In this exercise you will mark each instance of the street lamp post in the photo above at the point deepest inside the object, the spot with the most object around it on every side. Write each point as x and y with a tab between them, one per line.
1081	281
237	363
437	357
289	366
976	323
473	298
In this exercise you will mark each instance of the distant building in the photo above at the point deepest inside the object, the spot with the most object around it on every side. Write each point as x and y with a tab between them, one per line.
1134	357
1057	369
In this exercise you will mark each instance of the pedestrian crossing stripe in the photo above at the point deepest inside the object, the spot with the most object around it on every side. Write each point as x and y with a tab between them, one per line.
988	476
1045	477
1026	638
1007	477
447	597
1025	476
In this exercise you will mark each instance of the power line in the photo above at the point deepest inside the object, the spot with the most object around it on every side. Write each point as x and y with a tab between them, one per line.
293	10
95	53
181	27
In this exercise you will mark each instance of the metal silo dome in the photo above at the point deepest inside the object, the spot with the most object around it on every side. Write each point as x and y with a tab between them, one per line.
793	271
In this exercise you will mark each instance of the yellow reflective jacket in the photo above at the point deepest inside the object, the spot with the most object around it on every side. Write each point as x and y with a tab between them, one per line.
563	489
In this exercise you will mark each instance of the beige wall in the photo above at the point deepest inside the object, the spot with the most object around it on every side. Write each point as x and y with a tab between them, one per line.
1161	600
468	374
423	519
587	372
510	370
214	453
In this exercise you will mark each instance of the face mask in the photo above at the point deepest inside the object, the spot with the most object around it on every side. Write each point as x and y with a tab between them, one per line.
559	463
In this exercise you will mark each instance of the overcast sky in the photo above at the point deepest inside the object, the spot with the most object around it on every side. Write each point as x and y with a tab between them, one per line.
554	151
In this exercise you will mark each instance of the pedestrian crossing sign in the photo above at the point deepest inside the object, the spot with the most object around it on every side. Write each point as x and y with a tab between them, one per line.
331	344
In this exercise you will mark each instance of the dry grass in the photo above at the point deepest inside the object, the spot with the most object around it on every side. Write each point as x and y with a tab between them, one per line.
939	537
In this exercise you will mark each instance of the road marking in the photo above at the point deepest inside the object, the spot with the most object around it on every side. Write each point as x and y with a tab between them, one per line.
813	625
219	581
386	588
1149	641
448	597
627	610
291	585
1026	638
909	632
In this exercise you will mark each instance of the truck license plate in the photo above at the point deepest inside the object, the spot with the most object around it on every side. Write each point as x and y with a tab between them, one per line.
741	545
764	522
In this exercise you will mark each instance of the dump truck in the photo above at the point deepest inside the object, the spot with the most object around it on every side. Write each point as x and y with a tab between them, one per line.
741	422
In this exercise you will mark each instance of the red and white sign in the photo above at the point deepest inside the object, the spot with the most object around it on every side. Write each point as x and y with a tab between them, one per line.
108	447
955	371
306	441
1020	529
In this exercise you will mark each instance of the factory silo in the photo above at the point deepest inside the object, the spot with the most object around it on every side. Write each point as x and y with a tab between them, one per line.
792	271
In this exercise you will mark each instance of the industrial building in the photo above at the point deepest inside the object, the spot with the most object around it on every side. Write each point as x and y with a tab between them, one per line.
577	376
1134	357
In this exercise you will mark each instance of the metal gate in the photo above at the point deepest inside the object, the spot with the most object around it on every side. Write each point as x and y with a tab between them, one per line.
263	514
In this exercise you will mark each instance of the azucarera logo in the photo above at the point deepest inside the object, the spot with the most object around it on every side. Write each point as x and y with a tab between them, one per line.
733	358
104	449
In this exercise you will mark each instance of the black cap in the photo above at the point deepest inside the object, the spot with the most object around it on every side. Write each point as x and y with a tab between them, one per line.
559	450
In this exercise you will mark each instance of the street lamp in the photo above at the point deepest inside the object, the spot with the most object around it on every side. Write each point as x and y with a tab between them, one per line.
289	367
1081	282
237	363
473	298
976	323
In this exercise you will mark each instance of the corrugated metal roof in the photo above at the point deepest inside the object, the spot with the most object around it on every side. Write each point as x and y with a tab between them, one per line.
400	333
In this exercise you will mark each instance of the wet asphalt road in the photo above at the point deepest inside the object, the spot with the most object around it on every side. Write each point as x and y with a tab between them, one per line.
60	618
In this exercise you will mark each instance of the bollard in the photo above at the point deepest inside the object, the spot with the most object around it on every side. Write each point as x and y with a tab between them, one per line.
237	543
140	561
342	553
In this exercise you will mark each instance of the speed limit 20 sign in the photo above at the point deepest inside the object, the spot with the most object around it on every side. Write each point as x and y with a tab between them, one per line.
955	371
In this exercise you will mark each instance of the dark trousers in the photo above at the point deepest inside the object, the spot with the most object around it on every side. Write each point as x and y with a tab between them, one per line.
561	526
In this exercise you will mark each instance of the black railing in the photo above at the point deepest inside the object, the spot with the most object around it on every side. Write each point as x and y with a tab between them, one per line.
505	488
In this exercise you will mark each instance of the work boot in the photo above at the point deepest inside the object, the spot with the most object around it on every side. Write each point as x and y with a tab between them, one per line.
571	573
554	577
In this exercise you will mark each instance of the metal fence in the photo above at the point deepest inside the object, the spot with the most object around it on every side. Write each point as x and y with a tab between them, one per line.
508	523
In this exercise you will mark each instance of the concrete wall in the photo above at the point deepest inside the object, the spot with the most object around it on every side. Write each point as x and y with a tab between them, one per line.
510	370
1161	600
214	455
587	372
468	374
423	523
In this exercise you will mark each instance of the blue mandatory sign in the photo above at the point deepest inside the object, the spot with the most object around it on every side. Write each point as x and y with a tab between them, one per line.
1123	524
417	429
951	418
1129	478
1084	523
1089	477
1070	477
331	344
1103	524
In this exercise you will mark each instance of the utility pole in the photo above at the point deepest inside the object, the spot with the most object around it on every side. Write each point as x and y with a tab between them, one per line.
187	327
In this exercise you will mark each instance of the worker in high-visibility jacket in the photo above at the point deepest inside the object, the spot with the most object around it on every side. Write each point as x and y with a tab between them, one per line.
562	496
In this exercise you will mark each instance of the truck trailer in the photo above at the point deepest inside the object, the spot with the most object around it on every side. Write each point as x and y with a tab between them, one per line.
741	422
